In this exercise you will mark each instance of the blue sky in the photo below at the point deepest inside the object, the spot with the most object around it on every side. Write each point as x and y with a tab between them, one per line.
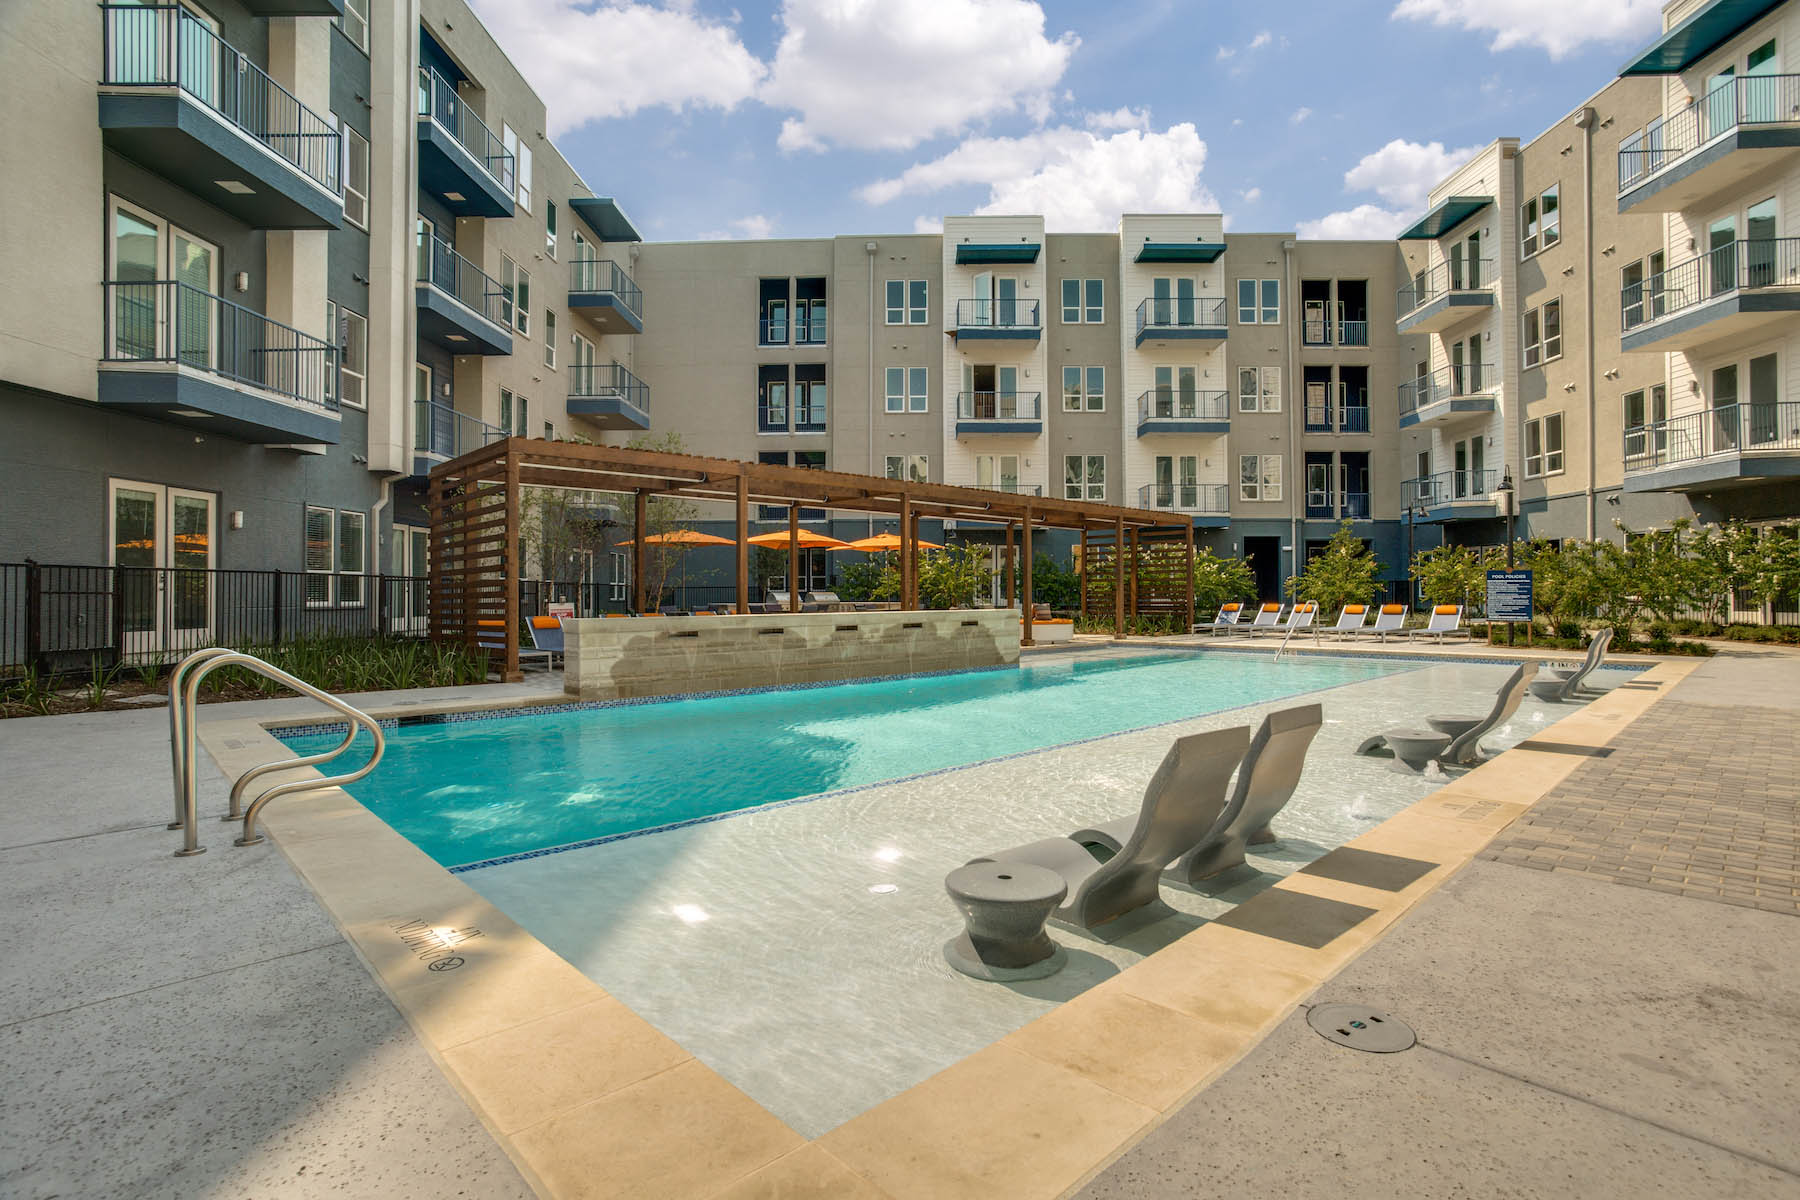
804	118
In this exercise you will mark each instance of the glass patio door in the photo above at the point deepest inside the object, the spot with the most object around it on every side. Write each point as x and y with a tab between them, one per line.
984	298
162	545
150	320
1006	301
1721	252
1721	103
1761	97
1725	416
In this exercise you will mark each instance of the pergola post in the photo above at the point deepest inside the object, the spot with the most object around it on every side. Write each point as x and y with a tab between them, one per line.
793	558
1027	610
1010	595
1189	531
1136	545
640	525
1119	579
915	550
1081	575
743	543
514	568
908	548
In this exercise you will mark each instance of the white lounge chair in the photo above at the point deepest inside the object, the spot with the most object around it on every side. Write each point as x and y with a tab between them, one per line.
1446	620
1229	619
1351	619
1268	617
1301	617
1391	618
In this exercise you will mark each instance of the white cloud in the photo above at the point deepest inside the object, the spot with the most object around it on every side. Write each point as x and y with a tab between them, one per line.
1365	221
590	63
1076	178
888	74
1251	195
924	224
1560	27
755	226
1119	118
1300	114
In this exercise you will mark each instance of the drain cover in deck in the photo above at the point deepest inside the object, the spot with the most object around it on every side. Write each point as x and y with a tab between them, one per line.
1361	1028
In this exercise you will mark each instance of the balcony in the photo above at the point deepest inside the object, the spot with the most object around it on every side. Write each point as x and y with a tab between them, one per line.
1735	444
461	162
181	101
179	354
1449	395
1451	496
1163	320
460	308
1353	418
440	433
1208	503
998	320
1013	487
1018	413
1170	411
1318	331
606	295
294	8
1690	159
1346	506
1726	298
608	396
1445	296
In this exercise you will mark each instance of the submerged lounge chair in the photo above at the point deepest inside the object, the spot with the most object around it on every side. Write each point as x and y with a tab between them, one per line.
1184	800
1461	735
1351	619
1391	619
1227	621
1266	780
1560	682
1268	616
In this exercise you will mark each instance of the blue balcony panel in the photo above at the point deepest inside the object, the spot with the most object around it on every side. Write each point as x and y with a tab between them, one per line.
1698	36
1444	311
606	310
1016	428
1180	252
976	253
1180	333
609	412
455	178
1154	426
1450	213
604	216
1726	322
211	404
1447	410
445	321
1728	162
173	136
294	8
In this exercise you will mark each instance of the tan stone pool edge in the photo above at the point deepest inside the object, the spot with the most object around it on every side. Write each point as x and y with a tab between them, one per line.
588	1099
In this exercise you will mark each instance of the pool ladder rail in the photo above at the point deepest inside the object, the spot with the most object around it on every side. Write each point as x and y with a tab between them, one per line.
184	687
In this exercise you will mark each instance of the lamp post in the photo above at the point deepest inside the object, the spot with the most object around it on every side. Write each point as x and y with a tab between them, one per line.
1505	495
1413	511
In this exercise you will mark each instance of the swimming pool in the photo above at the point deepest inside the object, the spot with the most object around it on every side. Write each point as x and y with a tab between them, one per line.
473	791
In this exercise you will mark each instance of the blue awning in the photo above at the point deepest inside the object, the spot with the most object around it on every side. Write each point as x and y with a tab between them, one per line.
1177	252
604	216
1445	217
1698	36
1004	252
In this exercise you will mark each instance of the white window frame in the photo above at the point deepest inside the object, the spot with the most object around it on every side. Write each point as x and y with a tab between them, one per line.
1086	398
621	575
1266	396
1090	301
349	575
1538	230
918	389
550	229
357	11
1266	486
896	313
515	286
550	338
1088	485
906	312
321	598
1537	345
1265	302
896	389
522	176
1544	461
341	581
355	152
353	380
514	412
911	468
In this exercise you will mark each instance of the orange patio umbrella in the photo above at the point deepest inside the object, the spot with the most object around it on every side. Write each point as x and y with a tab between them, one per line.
683	537
808	540
886	541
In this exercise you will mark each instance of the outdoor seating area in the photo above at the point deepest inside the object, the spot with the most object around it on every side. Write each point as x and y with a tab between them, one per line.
1452	741
1353	621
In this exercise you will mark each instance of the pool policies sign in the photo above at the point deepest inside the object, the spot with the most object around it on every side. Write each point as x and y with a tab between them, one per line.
1509	595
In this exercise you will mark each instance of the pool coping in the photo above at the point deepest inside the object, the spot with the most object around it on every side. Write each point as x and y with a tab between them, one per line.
589	1099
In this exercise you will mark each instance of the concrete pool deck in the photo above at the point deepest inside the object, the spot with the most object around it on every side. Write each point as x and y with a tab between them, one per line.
144	948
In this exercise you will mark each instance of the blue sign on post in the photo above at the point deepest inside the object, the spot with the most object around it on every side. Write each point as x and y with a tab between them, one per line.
1509	595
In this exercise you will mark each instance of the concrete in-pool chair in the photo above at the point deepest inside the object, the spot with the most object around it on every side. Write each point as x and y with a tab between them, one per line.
1390	619
1183	800
1351	619
1268	619
1266	780
1227	621
1563	682
1446	621
1464	732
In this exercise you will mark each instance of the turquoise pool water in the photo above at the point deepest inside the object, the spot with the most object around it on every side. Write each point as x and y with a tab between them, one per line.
470	791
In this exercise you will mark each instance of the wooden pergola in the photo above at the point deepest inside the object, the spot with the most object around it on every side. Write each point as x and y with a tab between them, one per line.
474	506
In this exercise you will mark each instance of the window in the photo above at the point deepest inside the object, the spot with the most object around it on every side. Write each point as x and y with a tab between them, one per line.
1646	414
906	301
356	177
809	398
1084	389
913	468
1084	477
1259	389
334	559
351	549
772	399
1083	301
1259	476
550	338
348	333
621	575
355	23
1543	333
1259	301
1246	302
513	413
523	165
319	555
998	472
515	295
1544	446
550	228
906	389
1540	222
549	432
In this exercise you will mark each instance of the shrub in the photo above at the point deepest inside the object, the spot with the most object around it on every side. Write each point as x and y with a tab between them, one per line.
1343	573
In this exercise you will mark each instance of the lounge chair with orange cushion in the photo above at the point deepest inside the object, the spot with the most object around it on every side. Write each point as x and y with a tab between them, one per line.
491	636
1446	619
1390	619
1268	619
1351	619
1227	620
546	636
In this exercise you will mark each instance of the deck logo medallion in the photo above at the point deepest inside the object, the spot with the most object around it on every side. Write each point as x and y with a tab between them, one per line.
1361	1028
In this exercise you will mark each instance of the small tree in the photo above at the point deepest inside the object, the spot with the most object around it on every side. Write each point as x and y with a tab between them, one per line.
953	576
1345	572
1054	582
1219	581
1451	575
876	579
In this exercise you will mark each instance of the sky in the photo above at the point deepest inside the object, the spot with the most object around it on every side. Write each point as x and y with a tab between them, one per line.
810	118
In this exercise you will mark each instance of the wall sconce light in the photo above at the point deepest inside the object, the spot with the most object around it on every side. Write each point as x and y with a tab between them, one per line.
241	281
1694	386
236	520
445	388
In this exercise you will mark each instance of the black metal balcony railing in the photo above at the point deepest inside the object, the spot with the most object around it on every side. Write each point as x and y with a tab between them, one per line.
1726	430
1353	333
1181	313
609	379
1446	383
438	100
1735	266
167	46
1742	100
449	272
1174	404
810	326
999	406
1355	506
1317	331
1353	418
809	412
997	314
771	417
164	321
605	275
1209	498
1013	487
1446	487
440	430
1456	275
773	331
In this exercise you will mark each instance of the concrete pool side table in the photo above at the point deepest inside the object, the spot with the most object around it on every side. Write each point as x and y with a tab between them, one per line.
1414	749
1004	906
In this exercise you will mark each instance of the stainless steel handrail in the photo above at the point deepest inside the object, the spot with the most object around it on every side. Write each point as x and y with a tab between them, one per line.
184	685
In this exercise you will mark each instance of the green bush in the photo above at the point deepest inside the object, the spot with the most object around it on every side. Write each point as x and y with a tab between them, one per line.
1343	573
352	664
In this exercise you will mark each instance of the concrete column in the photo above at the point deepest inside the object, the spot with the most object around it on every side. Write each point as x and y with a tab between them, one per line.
295	259
793	558
743	543
393	171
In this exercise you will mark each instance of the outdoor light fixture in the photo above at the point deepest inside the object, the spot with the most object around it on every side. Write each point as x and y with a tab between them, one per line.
456	197
235	187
